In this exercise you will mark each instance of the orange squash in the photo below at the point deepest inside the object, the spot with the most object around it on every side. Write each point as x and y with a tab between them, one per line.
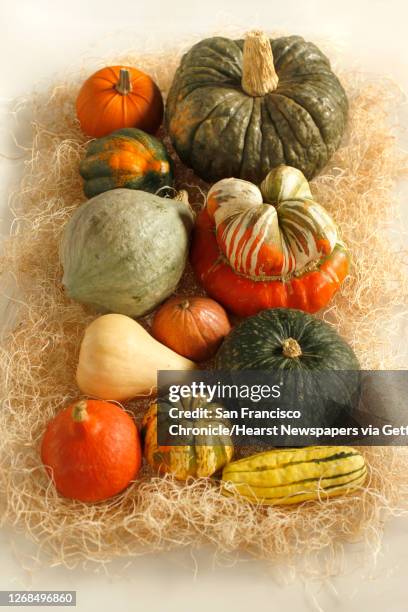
118	97
269	246
91	450
193	327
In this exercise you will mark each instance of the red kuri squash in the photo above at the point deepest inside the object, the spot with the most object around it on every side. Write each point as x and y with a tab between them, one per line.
91	450
118	97
193	327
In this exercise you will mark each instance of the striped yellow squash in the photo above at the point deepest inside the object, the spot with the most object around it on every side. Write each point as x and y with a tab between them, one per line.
294	475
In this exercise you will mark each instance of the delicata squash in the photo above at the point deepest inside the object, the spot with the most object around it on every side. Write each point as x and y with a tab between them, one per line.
293	475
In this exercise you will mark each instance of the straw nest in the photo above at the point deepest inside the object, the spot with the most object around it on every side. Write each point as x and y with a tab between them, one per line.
39	349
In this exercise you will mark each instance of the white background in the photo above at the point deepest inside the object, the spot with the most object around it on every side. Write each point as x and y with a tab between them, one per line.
41	39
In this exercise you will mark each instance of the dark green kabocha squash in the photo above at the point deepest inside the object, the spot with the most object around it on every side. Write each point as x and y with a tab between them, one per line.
238	108
285	338
126	158
318	370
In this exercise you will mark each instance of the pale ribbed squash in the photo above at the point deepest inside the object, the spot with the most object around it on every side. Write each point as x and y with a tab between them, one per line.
275	229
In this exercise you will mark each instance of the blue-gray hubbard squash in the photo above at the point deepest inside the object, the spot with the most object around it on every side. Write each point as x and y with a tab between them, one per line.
125	250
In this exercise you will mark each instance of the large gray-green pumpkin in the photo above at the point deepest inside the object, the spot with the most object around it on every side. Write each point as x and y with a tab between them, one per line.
125	250
240	108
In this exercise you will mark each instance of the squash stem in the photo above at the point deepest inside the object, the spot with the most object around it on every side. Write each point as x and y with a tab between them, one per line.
291	348
124	85
79	412
184	304
182	196
258	71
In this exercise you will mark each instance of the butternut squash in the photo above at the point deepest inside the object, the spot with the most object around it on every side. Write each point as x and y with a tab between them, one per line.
119	360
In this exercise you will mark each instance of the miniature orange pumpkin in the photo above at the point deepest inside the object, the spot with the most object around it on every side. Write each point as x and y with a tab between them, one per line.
91	450
193	327
118	97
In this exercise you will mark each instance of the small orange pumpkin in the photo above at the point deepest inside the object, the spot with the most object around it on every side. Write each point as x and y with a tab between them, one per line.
193	327
91	450
118	97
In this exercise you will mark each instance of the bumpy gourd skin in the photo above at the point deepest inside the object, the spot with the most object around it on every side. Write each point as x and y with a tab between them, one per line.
202	457
220	131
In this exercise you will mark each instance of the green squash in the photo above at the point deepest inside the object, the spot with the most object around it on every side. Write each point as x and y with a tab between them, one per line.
126	158
314	364
237	109
202	456
124	251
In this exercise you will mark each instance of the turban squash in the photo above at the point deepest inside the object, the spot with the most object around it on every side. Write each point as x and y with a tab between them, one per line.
269	246
240	108
126	158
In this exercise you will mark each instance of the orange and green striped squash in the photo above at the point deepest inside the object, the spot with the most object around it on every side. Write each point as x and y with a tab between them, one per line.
294	475
269	246
127	158
203	457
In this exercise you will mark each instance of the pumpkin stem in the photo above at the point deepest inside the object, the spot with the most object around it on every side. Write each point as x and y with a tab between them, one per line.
79	412
184	304
258	71
291	348
124	86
